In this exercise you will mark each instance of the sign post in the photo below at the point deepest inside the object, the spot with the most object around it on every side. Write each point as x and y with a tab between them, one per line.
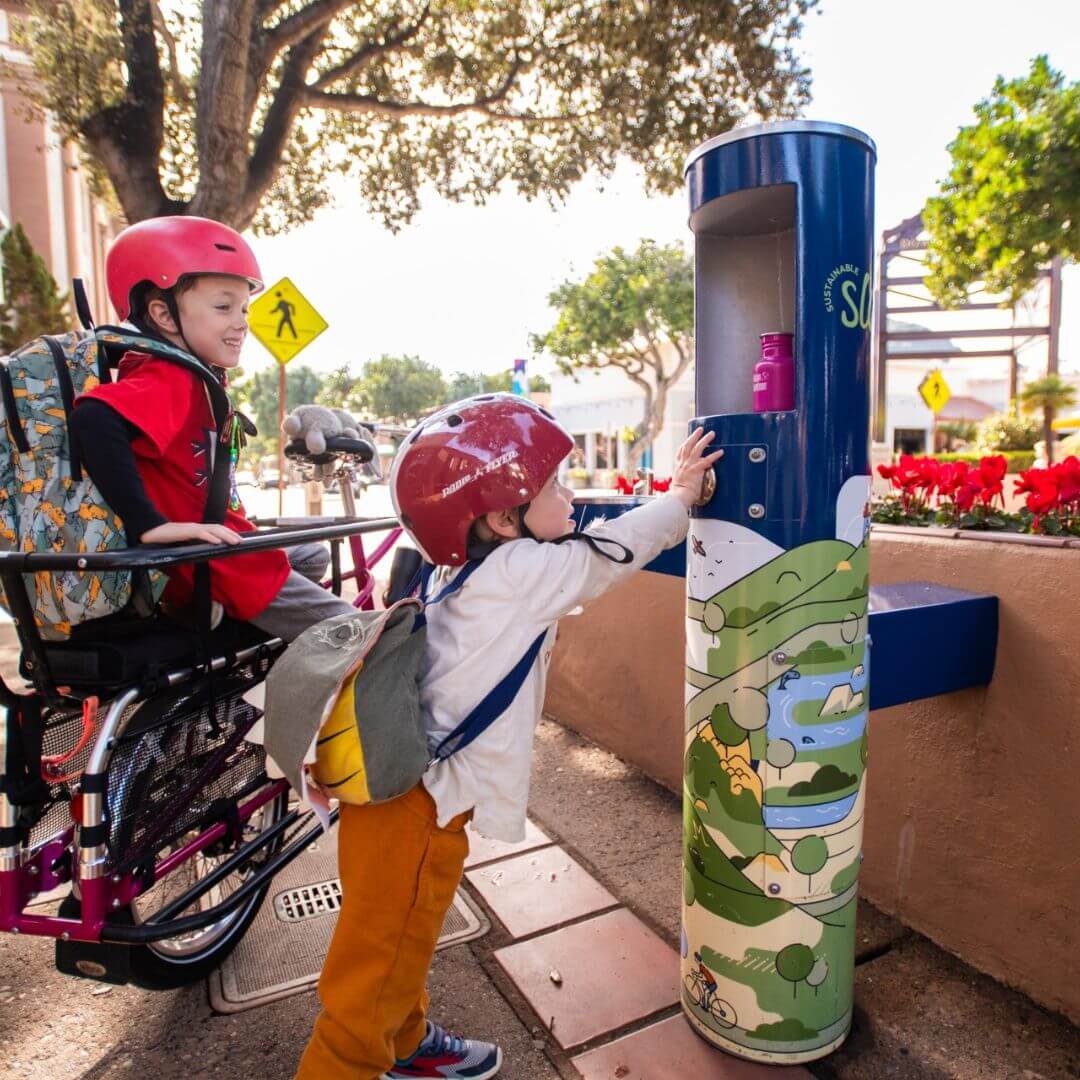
285	321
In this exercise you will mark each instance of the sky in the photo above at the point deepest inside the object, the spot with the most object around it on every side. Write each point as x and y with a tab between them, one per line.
462	287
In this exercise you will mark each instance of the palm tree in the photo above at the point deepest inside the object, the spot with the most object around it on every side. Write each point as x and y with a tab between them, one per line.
1048	394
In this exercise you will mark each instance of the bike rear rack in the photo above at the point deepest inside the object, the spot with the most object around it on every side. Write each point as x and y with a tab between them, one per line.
25	873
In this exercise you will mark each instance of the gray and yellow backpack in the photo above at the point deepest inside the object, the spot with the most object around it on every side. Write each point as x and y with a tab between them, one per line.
47	502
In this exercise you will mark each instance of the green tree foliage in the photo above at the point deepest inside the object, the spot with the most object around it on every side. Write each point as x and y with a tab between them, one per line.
809	855
1047	396
399	389
1006	431
342	389
633	312
1012	198
465	384
257	395
957	430
32	303
827	779
246	117
724	727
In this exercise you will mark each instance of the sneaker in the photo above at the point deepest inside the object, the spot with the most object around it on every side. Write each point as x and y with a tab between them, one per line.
443	1055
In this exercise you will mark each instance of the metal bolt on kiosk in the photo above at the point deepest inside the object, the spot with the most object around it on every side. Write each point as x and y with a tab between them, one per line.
777	653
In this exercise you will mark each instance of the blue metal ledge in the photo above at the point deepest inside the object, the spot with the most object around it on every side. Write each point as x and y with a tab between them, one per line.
929	639
926	639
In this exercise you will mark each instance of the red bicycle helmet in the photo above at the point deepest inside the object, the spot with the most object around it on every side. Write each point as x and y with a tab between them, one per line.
477	456
161	251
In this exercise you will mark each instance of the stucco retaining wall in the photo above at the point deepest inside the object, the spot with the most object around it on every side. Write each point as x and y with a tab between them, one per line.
973	815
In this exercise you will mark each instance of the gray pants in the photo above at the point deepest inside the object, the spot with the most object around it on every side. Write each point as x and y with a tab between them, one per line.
301	601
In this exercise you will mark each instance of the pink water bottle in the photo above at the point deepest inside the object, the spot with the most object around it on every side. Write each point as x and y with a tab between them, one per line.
774	374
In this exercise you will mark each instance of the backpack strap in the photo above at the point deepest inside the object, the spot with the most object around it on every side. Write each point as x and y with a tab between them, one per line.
11	410
82	303
498	700
491	708
423	577
67	396
113	342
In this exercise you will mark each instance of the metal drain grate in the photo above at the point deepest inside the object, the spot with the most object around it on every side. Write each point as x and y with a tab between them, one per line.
308	901
283	950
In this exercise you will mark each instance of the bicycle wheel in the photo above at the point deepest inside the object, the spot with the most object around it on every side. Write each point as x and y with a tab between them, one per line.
695	988
192	956
722	1012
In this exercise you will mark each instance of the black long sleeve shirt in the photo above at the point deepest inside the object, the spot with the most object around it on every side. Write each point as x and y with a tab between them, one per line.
102	439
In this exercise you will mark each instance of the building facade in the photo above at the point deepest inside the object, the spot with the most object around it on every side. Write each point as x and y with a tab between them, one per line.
598	408
45	188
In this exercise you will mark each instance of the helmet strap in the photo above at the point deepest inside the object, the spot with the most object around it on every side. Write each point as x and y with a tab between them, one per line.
595	542
524	529
481	549
625	554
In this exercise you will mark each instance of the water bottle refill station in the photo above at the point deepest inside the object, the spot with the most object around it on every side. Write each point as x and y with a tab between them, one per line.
780	609
778	657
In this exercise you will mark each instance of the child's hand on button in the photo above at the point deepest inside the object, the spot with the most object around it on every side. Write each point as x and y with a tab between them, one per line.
691	465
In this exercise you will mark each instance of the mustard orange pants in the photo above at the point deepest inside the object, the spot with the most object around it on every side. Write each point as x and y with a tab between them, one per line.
399	872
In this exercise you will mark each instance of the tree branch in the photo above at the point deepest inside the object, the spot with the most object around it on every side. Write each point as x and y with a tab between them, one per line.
146	87
295	27
222	99
127	137
684	360
347	68
369	103
278	124
317	98
162	27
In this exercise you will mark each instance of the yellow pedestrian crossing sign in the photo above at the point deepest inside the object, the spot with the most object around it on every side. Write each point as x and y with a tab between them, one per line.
284	320
935	391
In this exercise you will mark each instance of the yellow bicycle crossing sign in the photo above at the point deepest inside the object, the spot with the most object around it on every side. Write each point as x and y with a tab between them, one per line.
285	321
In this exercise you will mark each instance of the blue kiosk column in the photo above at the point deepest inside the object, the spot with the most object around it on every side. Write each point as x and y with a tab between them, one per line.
777	662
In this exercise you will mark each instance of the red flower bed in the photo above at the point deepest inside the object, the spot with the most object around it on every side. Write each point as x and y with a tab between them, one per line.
931	492
625	486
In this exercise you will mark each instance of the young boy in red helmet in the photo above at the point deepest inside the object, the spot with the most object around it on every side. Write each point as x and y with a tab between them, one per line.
148	439
475	483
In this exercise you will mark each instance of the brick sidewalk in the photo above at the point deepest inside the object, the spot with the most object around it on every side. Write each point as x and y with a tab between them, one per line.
592	895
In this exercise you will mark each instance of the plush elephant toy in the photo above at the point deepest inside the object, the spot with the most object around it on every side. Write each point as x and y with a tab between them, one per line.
312	424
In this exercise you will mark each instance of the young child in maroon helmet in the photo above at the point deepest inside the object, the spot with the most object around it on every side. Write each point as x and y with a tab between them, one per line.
476	482
148	440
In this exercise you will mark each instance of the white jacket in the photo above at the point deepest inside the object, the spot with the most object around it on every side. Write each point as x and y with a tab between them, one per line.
477	634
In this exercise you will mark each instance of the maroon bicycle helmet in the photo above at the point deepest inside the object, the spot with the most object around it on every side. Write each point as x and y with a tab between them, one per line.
484	454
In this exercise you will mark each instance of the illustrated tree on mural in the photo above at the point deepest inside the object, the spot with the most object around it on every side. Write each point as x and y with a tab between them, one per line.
818	974
634	313
808	856
246	110
780	754
795	963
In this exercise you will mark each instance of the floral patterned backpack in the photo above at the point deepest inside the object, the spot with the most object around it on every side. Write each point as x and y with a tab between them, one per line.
47	501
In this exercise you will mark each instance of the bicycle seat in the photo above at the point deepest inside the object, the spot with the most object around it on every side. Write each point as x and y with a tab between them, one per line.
336	446
124	649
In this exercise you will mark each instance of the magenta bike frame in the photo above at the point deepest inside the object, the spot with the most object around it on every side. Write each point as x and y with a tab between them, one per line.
362	565
98	895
